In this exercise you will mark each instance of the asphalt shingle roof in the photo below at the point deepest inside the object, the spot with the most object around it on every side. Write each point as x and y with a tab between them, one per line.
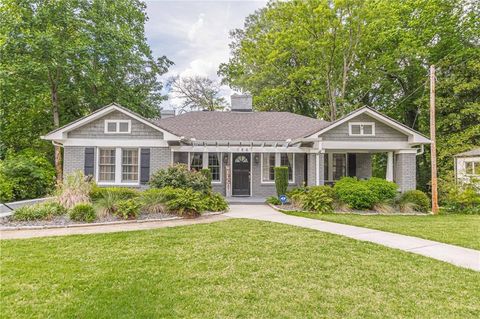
474	152
241	126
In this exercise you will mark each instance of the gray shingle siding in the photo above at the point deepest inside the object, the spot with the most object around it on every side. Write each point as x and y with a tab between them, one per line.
405	171
96	129
363	165
383	132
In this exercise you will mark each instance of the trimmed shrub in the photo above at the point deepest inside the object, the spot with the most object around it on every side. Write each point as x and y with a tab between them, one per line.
355	193
83	212
29	174
215	202
178	176
187	203
128	209
41	211
75	189
384	191
273	200
419	199
281	180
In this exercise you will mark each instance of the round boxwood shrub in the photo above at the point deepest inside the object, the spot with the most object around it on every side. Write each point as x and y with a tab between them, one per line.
83	212
355	193
384	191
418	198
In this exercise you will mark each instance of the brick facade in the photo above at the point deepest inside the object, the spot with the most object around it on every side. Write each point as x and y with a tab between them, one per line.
405	171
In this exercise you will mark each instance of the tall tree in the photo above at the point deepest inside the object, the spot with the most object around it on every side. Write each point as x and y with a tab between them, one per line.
197	93
62	59
323	58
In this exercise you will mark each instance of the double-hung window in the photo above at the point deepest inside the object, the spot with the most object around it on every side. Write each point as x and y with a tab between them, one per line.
270	160
129	165
361	128
106	167
118	165
214	166
196	161
268	167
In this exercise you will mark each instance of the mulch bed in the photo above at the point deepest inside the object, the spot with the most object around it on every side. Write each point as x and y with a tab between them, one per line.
64	220
290	207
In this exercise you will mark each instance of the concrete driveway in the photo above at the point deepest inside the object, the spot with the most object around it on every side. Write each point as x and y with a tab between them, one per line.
459	256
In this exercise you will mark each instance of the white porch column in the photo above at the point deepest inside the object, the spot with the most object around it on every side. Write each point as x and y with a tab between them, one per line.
389	175
317	169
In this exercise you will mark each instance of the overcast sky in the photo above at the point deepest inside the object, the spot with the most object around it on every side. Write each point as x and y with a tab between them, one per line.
195	34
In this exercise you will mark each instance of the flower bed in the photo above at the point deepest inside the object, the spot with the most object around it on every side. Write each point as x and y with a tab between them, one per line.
80	201
350	195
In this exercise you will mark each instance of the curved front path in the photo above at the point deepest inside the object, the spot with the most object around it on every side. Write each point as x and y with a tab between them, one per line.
459	256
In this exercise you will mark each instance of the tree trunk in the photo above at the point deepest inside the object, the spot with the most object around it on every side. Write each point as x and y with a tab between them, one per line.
56	123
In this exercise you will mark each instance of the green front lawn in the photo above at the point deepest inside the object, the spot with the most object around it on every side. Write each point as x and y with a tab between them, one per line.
235	268
462	230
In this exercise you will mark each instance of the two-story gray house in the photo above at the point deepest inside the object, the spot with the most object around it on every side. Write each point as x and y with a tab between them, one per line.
240	147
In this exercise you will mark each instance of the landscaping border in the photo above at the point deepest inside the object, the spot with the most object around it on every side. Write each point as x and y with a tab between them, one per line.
119	222
349	213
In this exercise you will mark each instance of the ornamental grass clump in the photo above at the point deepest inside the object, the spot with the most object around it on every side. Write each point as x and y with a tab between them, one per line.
41	211
75	189
106	199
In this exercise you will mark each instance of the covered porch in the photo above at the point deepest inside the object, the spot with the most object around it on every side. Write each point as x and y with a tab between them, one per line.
330	166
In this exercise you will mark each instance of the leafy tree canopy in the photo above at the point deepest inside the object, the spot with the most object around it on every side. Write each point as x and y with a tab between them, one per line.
63	59
324	58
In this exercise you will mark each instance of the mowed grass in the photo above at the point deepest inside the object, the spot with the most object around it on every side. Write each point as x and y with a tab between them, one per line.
228	269
461	230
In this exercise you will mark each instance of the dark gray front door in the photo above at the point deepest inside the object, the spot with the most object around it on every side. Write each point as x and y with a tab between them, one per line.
241	174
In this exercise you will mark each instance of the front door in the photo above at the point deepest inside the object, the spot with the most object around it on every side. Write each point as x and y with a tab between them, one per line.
241	174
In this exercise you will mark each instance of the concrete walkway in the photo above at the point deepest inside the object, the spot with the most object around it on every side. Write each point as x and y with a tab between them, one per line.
62	231
459	256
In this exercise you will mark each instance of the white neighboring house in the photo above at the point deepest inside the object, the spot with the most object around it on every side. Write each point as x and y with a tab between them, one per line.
467	166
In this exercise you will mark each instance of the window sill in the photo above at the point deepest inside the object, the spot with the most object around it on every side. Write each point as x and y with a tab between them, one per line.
117	184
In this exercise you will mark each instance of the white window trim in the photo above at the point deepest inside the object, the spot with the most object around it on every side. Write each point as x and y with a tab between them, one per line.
205	163
350	124
330	165
474	163
277	163
117	126
118	168
220	161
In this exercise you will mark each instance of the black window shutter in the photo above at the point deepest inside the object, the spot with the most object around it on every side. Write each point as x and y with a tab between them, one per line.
352	164
89	164
144	165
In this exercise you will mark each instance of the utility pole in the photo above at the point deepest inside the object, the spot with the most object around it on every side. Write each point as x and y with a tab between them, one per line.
433	146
